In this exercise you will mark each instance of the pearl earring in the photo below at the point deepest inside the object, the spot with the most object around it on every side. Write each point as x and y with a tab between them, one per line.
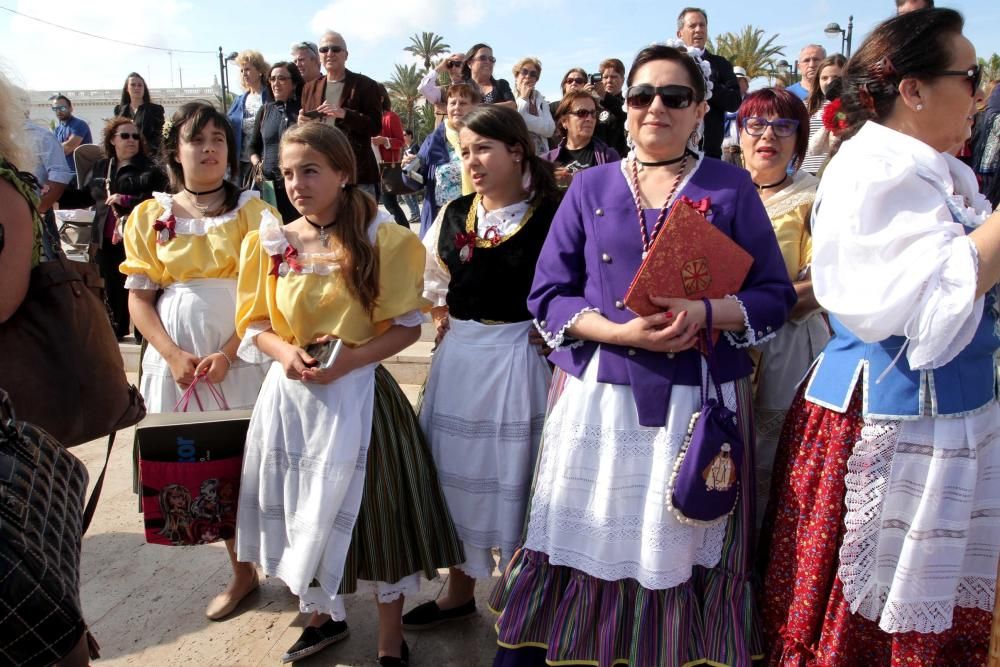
920	107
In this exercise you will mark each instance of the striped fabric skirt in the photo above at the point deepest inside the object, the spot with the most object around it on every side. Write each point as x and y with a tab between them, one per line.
403	526
612	580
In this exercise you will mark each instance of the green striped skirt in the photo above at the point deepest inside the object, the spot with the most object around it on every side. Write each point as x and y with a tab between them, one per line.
403	525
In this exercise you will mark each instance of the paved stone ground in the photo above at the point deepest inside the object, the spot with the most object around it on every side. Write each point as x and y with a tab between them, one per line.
145	603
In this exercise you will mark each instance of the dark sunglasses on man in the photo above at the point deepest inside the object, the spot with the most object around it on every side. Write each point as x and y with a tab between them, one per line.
335	49
673	96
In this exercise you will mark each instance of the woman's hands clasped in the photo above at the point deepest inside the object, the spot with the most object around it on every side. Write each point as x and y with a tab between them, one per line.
673	330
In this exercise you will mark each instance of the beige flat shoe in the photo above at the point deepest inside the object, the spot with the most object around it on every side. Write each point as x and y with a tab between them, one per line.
224	603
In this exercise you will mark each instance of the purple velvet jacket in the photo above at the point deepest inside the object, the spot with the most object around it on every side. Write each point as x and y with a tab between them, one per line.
593	251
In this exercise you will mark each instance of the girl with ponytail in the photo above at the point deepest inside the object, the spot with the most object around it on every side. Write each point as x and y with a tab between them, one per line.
338	490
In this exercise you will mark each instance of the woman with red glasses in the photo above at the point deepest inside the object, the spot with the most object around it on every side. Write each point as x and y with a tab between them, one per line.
577	116
882	525
608	573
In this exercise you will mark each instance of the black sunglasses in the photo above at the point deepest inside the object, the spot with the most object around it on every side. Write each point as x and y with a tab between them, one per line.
529	73
130	135
578	80
673	96
974	74
454	63
280	77
334	49
582	113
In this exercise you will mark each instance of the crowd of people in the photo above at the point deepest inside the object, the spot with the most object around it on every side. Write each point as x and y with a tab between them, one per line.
853	370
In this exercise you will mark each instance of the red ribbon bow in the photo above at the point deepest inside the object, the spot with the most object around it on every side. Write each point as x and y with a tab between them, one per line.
493	236
465	243
703	205
169	224
289	257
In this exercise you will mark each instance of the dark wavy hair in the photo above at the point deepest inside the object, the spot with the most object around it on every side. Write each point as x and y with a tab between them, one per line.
783	104
663	52
185	124
356	210
126	98
911	45
506	125
293	71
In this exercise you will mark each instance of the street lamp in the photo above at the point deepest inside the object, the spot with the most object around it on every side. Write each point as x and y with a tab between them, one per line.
224	75
834	29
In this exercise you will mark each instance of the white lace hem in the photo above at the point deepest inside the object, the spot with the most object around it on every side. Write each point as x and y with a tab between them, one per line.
248	350
140	281
919	537
414	318
748	337
557	340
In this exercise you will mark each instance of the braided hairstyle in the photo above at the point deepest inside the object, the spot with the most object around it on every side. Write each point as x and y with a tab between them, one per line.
911	45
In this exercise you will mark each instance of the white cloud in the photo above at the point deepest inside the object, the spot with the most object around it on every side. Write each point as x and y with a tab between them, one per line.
356	20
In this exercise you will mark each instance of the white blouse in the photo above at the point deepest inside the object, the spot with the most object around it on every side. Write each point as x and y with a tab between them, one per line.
888	257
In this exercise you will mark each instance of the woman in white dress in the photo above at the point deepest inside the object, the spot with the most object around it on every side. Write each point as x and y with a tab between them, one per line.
187	244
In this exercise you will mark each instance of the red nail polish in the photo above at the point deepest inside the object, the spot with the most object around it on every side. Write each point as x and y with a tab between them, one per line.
669	314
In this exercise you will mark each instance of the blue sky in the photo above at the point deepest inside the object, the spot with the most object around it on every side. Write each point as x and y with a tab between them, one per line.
562	33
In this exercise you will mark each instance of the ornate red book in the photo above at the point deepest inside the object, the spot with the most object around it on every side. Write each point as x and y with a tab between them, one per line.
690	258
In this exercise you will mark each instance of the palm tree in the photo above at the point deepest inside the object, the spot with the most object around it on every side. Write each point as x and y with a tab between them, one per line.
991	68
402	89
749	50
427	46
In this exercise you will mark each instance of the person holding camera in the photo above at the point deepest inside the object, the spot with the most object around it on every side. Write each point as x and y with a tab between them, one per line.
611	116
577	118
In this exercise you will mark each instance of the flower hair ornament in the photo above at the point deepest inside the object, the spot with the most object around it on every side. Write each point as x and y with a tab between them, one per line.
835	118
167	126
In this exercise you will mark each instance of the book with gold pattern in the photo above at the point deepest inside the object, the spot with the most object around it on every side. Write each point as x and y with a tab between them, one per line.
690	258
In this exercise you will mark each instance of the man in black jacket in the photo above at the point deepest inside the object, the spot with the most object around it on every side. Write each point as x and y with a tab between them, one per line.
692	29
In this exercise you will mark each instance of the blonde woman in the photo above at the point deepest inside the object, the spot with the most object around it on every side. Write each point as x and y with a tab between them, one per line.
243	112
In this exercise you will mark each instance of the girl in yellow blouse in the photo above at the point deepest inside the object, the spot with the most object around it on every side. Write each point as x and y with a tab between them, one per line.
187	244
774	132
338	486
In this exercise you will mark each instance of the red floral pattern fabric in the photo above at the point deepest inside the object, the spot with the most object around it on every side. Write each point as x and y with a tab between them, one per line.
806	620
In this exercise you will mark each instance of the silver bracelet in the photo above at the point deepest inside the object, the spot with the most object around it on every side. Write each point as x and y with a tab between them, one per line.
226	356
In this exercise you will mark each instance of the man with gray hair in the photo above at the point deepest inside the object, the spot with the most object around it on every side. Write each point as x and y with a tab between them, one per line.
305	55
810	57
350	102
692	29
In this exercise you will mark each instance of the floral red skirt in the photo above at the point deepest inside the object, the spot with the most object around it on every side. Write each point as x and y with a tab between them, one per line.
806	620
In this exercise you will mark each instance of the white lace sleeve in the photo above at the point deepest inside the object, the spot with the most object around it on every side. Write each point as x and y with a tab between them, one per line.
140	281
414	318
748	337
436	275
248	350
429	88
560	339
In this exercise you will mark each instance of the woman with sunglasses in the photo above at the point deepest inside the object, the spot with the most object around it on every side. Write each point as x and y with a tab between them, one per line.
478	70
272	120
774	130
531	103
136	105
608	574
882	538
439	162
450	68
577	116
118	183
574	80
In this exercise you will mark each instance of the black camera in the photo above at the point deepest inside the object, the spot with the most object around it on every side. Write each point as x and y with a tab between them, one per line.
595	79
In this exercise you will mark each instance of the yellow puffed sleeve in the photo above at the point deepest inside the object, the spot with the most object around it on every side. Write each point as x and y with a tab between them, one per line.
255	289
140	243
401	258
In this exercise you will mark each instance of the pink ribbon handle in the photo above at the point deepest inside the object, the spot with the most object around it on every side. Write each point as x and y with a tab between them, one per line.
184	401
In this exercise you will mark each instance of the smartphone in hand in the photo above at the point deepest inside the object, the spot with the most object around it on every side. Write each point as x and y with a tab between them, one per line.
324	353
314	115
